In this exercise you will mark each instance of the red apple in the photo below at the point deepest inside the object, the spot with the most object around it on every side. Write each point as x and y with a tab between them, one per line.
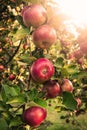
44	36
79	102
34	116
82	40
67	85
24	9
83	47
2	68
52	88
12	77
42	70
34	15
78	54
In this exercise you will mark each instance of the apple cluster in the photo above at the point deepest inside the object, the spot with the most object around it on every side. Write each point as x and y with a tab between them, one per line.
43	36
36	16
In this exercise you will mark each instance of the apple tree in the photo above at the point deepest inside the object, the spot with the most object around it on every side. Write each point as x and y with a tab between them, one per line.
42	62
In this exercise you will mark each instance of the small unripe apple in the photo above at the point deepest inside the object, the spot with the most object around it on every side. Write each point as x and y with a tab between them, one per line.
34	116
0	49
2	68
34	15
42	70
67	85
79	102
25	46
12	77
52	88
44	36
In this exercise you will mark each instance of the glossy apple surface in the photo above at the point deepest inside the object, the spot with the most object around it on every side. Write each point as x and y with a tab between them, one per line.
34	15
34	116
52	88
67	85
44	36
42	70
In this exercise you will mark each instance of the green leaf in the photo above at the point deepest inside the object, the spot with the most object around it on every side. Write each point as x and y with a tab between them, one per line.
64	72
15	121
69	101
17	100
59	62
20	34
72	69
3	124
8	91
26	58
33	94
40	102
79	75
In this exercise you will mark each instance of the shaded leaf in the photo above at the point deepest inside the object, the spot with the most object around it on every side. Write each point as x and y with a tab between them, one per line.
69	101
15	121
3	124
59	62
8	91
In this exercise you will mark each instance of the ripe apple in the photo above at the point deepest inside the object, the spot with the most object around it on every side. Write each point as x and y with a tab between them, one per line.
79	102
34	116
2	68
67	85
82	40
42	70
78	54
83	47
44	36
12	77
34	15
52	88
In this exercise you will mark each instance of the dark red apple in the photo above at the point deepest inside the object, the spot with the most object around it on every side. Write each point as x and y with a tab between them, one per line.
34	116
67	85
34	15
44	36
42	70
52	88
12	77
2	68
79	102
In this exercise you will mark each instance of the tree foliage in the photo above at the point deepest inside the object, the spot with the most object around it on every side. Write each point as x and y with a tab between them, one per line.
18	52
